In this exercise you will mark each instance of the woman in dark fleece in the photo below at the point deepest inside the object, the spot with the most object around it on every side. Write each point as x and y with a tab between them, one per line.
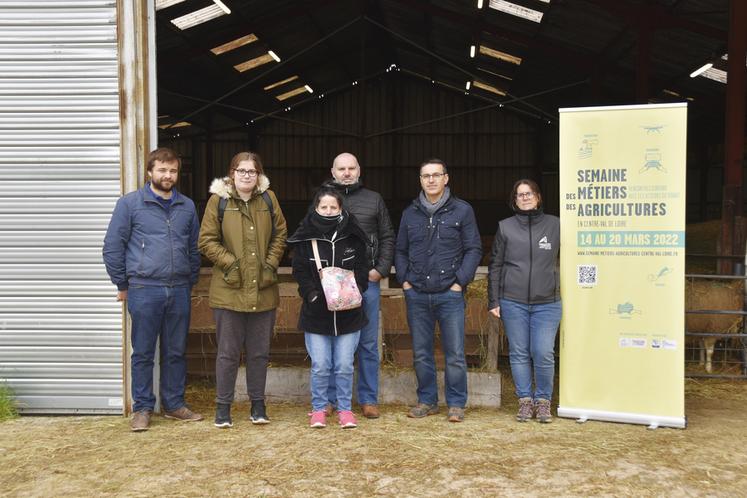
331	336
523	292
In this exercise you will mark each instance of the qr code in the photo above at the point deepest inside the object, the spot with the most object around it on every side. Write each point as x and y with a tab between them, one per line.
587	275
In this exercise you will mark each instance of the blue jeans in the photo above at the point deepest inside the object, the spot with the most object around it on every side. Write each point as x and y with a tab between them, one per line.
531	331
158	313
368	351
331	354
423	310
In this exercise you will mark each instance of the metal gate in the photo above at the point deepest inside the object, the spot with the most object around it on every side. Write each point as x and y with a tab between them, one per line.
60	326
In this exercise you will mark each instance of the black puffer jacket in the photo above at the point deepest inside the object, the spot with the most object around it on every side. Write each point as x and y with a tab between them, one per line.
369	209
348	251
523	262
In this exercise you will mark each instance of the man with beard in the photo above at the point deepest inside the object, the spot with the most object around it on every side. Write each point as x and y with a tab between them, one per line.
369	210
150	252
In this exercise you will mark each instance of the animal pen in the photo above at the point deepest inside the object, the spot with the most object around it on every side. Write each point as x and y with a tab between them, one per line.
715	325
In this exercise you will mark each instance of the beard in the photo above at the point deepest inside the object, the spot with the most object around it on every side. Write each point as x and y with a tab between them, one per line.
159	184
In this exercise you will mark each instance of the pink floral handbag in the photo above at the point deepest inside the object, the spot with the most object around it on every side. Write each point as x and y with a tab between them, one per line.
340	289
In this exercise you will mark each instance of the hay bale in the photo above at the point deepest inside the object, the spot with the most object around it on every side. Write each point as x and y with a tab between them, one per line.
477	289
713	295
704	295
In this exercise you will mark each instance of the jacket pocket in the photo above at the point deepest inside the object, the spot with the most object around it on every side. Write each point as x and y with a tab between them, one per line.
449	230
415	233
268	276
141	261
232	276
348	262
373	249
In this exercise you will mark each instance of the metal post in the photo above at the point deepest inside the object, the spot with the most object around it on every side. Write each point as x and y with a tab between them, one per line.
732	206
136	48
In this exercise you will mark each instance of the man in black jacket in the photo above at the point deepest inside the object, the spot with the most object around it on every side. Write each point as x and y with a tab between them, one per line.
368	208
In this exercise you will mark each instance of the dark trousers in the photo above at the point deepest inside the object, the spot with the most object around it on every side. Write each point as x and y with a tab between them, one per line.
248	332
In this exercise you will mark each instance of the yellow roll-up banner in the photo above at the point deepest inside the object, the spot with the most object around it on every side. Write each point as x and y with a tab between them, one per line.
622	256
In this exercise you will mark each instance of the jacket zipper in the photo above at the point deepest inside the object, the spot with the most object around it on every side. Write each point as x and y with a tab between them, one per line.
171	252
168	229
529	286
334	313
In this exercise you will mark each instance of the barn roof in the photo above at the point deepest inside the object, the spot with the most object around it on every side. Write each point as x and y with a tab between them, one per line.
581	52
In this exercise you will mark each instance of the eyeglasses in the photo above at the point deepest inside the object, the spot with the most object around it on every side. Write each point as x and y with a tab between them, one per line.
525	195
251	173
435	176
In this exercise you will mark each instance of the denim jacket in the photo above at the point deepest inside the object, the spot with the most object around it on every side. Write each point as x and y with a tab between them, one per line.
147	244
434	252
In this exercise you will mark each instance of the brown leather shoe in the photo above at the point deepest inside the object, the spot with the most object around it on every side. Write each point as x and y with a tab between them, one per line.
140	421
184	414
370	411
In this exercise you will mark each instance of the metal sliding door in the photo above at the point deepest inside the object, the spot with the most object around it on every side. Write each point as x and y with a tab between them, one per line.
60	326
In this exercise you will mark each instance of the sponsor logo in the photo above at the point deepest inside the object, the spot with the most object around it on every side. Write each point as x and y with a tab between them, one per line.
669	344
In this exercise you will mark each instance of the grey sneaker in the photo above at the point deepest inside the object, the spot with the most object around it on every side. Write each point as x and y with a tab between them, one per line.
422	410
526	409
456	414
184	414
542	407
140	421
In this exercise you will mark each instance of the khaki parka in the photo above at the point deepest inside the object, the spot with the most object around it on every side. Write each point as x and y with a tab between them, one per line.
246	256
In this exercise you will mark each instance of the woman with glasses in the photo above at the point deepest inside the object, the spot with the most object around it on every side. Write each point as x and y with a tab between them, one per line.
523	292
243	234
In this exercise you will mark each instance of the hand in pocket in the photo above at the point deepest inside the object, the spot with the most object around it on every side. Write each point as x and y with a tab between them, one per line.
232	276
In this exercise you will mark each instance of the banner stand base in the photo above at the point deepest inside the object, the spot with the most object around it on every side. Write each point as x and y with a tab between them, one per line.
653	421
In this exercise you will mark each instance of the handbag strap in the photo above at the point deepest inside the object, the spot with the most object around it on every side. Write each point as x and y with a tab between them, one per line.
315	248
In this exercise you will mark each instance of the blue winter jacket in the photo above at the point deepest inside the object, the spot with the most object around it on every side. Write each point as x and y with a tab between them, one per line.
433	253
146	244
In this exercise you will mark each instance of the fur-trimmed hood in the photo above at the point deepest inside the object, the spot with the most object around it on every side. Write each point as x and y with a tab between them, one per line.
223	187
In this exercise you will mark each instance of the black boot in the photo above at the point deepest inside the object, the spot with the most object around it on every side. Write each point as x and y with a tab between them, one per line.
259	414
223	415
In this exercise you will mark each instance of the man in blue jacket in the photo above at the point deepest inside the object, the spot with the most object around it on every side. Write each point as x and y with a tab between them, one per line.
436	256
150	252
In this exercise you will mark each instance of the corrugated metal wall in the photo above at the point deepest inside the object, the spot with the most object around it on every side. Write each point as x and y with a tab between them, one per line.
60	327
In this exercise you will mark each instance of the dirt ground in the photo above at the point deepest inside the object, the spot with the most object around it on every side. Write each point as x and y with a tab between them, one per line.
488	455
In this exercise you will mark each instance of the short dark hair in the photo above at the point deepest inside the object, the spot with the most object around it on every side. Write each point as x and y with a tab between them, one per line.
434	160
165	155
532	185
325	190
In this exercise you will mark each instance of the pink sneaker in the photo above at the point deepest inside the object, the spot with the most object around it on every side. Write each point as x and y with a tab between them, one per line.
318	420
347	419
